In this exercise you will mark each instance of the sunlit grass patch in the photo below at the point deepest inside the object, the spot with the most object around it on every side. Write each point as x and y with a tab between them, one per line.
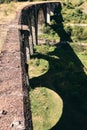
46	106
81	52
37	67
44	49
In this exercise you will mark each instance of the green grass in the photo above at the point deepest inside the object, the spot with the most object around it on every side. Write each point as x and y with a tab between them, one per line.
37	67
65	74
46	108
81	52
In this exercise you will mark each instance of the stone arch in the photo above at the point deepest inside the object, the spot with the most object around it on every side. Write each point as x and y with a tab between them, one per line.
29	17
41	18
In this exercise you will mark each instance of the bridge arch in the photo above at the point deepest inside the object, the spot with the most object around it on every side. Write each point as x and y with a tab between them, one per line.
29	17
29	28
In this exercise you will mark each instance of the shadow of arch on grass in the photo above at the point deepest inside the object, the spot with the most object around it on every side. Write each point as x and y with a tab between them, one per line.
67	78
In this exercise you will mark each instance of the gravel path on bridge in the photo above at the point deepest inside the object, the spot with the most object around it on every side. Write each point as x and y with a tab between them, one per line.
3	33
11	93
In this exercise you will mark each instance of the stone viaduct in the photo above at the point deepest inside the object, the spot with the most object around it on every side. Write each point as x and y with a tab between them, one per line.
30	17
15	113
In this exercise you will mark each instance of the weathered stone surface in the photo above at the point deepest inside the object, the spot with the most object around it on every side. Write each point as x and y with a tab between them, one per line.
11	93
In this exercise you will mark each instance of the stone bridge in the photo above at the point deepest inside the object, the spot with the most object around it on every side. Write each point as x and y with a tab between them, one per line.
29	21
15	113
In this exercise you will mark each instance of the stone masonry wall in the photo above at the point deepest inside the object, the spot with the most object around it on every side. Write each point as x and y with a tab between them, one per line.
14	98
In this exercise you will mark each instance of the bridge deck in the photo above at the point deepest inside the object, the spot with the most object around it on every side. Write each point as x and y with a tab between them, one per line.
11	94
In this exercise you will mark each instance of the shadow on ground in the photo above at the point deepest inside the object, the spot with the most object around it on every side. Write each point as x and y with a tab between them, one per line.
67	78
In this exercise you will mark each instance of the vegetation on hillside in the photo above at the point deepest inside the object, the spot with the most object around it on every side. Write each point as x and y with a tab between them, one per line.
75	15
70	19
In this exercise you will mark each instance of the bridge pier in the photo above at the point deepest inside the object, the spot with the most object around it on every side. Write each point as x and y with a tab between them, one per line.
29	17
31	44
48	14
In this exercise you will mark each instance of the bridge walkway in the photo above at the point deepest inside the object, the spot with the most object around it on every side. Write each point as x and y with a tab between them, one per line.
11	85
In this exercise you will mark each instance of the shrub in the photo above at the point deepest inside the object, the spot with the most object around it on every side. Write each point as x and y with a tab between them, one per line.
83	36
46	29
2	1
5	1
76	32
73	13
69	5
68	30
79	33
79	2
